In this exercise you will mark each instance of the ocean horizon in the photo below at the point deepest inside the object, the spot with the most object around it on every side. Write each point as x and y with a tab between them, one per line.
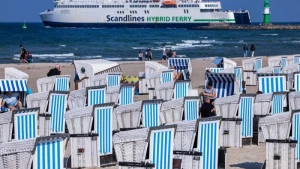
68	44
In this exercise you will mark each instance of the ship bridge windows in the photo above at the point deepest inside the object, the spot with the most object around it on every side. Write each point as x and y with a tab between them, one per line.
207	10
211	5
154	6
138	6
188	5
112	6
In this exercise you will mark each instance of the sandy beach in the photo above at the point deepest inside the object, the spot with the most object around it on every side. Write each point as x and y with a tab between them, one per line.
248	157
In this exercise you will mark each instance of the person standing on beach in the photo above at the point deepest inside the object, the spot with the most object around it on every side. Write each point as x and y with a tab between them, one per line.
22	54
174	55
140	56
209	92
252	48
245	50
164	56
149	54
55	71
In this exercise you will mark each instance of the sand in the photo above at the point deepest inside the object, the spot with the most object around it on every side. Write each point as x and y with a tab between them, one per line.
248	157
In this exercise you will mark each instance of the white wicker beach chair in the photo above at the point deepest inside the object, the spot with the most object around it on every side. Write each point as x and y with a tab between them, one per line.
45	84
224	63
6	127
13	73
151	113
143	87
172	111
227	106
79	121
98	80
84	150
164	91
294	100
250	67
151	67
17	154
77	99
263	104
38	100
26	123
112	94
230	132
128	116
49	151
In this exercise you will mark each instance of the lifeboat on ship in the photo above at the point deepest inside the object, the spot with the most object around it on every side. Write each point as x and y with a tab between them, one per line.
169	2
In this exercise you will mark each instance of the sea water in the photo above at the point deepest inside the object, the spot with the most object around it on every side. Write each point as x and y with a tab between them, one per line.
67	44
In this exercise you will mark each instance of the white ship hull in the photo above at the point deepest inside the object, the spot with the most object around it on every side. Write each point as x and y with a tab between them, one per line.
124	16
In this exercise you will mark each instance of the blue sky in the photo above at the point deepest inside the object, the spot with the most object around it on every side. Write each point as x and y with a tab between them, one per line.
281	11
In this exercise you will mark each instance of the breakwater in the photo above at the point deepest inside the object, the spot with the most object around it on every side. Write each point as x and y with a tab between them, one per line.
247	27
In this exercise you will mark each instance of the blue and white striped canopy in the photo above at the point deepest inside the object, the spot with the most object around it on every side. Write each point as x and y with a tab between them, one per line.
179	63
13	85
221	77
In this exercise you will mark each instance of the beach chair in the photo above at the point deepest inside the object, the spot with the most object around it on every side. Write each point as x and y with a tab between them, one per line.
128	116
283	62
79	121
77	99
181	88
164	91
6	127
103	125
296	59
227	107
98	80
224	83
112	94
295	131
161	142
279	102
214	70
17	154
191	108
167	76
26	123
49	151
84	150
62	83
57	107
230	132
172	111
15	85
152	67
274	61
224	63
45	84
151	112
154	80
131	147
180	64
246	113
143	88
294	100
184	143
113	79
238	71
268	83
250	67
38	100
277	69
126	94
13	73
207	131
96	95
258	64
263	104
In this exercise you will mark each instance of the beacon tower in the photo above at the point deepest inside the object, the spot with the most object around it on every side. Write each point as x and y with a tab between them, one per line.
266	12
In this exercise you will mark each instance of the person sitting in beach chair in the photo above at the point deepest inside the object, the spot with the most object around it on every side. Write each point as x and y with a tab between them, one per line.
11	100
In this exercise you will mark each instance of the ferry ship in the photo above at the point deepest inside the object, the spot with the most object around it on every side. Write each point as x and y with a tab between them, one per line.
136	13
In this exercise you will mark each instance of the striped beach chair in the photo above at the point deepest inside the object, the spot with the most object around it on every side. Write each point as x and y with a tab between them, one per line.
113	79
258	64
57	108
268	83
278	102
208	141
49	152
161	146
96	95
126	94
103	125
297	81
62	83
296	59
214	70
181	88
26	123
151	112
180	64
167	76
14	85
238	71
191	108
283	62
296	131
246	113
224	83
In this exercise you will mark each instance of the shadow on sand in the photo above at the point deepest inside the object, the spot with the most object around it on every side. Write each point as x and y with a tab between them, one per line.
247	165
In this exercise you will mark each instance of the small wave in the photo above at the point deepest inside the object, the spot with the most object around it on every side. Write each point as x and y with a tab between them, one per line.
181	56
62	45
208	41
203	37
187	45
92	57
49	55
269	34
121	58
241	41
138	48
191	41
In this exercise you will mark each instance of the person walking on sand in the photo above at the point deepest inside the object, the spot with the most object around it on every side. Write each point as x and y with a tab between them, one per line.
22	54
245	50
252	48
164	55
